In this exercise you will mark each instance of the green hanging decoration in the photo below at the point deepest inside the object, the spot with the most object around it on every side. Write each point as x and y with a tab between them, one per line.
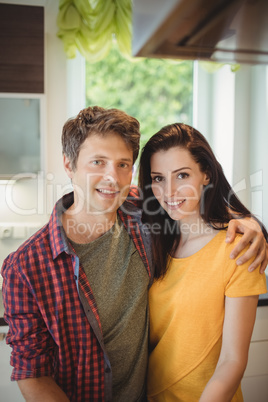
89	26
212	66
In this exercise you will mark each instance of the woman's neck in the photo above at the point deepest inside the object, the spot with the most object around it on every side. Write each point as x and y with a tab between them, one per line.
194	235
193	228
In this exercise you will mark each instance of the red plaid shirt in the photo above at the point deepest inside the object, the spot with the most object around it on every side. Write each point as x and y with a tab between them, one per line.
54	326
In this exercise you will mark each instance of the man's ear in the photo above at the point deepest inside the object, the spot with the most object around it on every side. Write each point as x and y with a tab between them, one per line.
67	166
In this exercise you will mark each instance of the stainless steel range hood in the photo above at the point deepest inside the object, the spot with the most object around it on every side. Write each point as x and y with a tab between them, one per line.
215	30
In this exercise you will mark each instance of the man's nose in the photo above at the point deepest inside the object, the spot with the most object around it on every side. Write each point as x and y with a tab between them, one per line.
111	174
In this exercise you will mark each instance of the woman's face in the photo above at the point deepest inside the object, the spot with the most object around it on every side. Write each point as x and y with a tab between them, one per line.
177	183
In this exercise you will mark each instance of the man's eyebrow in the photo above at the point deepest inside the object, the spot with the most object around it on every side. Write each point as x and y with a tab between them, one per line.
174	171
126	159
99	156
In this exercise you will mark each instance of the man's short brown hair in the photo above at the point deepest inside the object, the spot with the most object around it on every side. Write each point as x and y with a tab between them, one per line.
99	121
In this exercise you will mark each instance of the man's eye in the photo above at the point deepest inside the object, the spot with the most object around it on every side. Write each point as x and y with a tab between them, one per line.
157	179
97	162
123	165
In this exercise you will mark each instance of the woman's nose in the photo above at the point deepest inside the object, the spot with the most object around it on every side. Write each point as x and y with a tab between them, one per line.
170	188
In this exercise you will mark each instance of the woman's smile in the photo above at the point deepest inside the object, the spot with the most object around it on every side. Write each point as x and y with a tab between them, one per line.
177	182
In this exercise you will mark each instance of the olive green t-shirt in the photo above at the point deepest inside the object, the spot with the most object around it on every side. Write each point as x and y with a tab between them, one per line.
119	282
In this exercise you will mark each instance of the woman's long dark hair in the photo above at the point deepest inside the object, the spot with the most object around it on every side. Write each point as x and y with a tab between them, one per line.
219	204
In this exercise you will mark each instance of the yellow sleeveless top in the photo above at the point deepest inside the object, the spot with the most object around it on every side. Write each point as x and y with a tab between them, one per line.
186	319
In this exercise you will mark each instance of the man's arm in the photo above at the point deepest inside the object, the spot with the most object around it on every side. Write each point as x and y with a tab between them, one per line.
252	236
32	344
42	389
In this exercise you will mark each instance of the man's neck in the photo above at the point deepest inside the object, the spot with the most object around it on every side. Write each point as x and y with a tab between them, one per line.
85	227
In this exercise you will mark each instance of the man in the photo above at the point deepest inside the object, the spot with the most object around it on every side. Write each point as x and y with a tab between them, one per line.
75	294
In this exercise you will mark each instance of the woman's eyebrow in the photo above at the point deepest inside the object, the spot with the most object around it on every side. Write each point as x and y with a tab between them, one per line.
174	171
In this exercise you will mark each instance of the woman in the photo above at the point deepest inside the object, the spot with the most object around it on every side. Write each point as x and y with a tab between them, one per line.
202	306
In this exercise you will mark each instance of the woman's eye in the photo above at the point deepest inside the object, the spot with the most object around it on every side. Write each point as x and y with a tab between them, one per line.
183	175
157	179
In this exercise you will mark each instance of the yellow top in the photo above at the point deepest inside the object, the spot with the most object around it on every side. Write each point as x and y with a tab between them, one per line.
186	319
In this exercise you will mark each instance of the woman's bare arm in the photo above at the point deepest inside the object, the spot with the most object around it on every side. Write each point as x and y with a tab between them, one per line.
240	314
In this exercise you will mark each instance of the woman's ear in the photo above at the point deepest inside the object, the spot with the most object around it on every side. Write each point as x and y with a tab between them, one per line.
206	179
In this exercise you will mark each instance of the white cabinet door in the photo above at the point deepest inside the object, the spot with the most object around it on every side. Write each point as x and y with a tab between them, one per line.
255	381
9	390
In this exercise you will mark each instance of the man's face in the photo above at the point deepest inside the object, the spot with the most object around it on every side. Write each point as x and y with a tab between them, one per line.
103	174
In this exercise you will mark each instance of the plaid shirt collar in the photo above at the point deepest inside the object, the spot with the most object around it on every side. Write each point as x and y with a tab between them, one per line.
128	212
58	238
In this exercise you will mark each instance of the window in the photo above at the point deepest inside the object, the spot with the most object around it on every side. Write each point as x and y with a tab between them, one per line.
155	91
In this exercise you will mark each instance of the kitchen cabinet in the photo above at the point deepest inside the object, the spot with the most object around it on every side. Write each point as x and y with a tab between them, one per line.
21	48
255	381
21	134
21	89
